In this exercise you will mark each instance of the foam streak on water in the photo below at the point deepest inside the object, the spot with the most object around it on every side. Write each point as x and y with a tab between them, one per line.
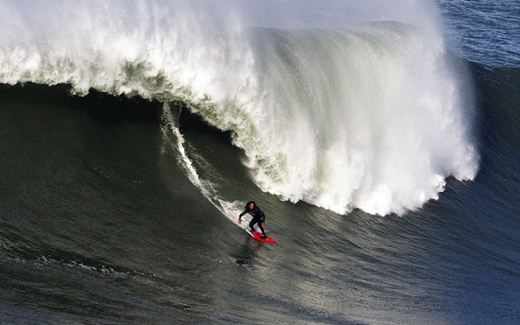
341	115
174	139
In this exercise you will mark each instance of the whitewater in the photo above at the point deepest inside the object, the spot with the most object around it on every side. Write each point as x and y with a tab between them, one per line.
370	113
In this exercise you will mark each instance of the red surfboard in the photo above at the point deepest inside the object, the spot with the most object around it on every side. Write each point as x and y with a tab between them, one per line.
258	237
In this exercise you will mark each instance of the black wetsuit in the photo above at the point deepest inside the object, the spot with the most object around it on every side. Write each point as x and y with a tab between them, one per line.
258	217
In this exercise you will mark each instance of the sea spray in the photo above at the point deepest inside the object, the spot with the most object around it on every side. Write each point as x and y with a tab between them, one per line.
340	105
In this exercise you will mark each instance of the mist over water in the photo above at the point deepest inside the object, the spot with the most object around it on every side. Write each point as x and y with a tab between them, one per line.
340	105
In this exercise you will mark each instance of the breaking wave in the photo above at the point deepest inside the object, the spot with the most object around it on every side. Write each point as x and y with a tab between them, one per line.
370	114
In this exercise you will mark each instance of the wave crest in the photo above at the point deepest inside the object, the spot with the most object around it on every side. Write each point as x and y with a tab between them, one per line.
370	117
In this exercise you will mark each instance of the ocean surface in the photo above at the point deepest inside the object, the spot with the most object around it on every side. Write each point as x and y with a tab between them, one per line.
381	139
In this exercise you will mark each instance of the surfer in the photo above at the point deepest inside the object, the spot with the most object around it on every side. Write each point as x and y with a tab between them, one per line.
258	217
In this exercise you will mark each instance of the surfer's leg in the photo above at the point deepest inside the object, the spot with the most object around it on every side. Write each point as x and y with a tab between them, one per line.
252	224
261	228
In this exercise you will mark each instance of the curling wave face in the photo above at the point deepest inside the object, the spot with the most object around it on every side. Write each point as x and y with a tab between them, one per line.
372	116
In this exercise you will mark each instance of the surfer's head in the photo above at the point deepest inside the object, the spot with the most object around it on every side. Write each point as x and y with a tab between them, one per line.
250	204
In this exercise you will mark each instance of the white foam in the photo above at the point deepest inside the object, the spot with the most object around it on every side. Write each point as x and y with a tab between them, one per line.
371	116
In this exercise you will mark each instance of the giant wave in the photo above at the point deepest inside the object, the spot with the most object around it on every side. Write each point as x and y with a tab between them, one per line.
371	115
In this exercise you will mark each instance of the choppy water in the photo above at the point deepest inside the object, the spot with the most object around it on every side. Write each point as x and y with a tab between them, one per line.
485	31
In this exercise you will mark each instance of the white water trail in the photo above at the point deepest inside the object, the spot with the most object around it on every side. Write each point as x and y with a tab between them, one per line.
175	140
342	105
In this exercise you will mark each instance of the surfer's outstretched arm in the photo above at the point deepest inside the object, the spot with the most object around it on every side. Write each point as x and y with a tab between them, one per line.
240	216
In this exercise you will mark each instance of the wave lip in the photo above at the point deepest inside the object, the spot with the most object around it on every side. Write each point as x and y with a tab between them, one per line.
370	117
